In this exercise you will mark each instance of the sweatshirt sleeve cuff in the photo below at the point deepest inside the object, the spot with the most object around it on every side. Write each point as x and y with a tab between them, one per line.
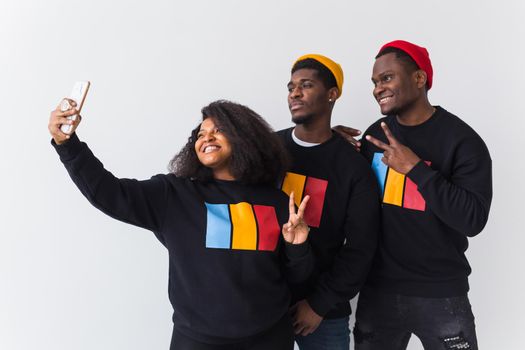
321	305
69	149
420	173
297	251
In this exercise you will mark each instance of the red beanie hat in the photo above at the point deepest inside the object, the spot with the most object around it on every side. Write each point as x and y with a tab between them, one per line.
419	55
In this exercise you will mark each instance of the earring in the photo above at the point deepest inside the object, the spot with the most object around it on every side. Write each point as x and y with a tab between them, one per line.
329	100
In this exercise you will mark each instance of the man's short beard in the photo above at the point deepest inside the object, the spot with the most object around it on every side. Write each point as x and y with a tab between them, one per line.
394	111
302	119
401	109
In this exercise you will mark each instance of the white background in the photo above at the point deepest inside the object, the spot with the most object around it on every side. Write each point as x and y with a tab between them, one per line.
72	278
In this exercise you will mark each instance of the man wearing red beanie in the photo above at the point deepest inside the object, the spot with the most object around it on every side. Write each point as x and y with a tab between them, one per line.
434	174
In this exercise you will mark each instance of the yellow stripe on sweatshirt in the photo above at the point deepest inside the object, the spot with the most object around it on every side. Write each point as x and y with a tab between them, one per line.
244	226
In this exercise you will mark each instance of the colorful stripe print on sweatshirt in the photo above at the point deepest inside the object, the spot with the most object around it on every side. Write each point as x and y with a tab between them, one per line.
303	186
242	226
396	189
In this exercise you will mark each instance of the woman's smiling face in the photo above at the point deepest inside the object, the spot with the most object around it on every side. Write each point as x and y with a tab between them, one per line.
214	149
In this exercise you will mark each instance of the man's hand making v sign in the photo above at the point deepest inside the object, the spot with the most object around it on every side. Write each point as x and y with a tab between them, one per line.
396	155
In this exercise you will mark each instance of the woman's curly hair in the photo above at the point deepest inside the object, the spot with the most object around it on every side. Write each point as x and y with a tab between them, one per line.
258	155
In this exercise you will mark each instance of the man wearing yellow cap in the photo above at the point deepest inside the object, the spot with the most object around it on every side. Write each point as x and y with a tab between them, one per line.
343	210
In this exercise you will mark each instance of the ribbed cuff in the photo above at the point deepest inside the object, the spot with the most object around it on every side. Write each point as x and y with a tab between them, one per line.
69	149
297	251
320	304
420	173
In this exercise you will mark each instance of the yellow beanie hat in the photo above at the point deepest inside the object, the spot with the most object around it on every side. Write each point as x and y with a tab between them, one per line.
334	67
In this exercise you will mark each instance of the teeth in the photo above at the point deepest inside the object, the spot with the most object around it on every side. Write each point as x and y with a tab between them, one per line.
384	99
209	149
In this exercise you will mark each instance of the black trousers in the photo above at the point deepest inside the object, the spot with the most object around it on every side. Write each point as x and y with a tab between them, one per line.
279	337
387	321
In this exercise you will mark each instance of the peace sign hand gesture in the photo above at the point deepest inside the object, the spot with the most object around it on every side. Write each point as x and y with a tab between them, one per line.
296	231
396	155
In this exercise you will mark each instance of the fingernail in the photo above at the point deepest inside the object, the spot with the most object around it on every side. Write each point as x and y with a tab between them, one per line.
368	137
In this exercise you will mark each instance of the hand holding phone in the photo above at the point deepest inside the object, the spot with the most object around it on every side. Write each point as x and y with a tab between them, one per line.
78	94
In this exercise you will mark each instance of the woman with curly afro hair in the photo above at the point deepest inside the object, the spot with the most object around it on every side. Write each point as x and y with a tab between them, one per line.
234	240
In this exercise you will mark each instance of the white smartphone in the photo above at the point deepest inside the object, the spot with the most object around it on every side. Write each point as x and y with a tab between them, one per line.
78	94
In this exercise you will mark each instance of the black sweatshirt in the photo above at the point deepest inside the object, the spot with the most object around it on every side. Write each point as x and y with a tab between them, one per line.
228	263
429	213
344	217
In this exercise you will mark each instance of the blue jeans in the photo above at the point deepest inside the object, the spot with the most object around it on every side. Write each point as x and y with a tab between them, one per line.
332	334
386	321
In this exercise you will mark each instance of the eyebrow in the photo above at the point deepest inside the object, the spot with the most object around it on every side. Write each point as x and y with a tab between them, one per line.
302	81
386	72
382	74
215	127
